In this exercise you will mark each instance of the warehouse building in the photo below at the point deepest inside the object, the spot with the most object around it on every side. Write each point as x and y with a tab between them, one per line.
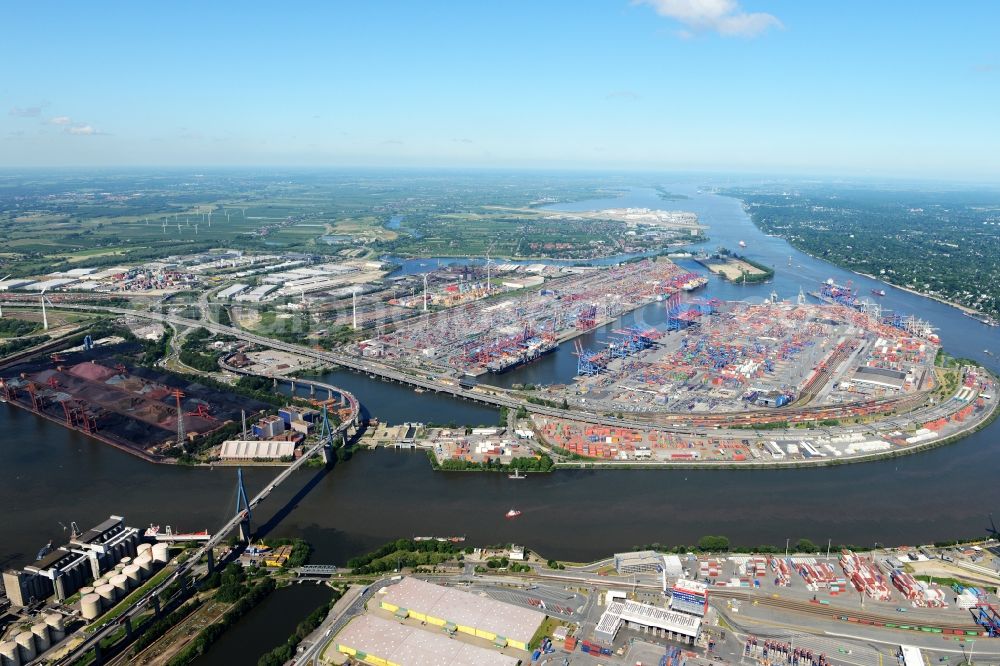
641	561
238	449
454	610
660	621
229	292
376	641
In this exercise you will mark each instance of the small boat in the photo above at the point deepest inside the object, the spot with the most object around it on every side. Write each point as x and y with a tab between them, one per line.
517	475
878	292
988	352
513	513
743	243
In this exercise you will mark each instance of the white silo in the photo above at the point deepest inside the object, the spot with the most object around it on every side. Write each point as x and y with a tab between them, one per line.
108	594
134	573
10	654
41	632
90	606
57	626
26	641
161	553
121	583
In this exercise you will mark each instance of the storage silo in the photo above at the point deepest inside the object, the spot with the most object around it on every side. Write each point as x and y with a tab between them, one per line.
125	561
134	573
90	606
161	553
84	591
10	654
41	632
26	641
121	583
143	548
145	562
57	626
107	593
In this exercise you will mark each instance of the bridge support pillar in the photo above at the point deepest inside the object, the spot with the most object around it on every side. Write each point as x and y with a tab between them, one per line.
128	627
329	394
293	386
343	400
210	556
156	605
274	382
245	531
98	654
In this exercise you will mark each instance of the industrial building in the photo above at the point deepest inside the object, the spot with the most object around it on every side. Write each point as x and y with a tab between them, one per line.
374	640
66	569
238	449
454	610
689	596
269	426
640	561
257	294
670	624
231	291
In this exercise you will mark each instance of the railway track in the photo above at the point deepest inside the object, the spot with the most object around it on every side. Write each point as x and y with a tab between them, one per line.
854	615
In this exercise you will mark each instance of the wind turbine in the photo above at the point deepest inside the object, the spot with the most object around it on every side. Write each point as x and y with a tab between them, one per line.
1	280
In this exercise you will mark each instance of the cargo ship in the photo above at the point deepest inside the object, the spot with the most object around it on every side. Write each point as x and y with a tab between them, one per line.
833	293
982	319
878	292
529	350
451	539
695	283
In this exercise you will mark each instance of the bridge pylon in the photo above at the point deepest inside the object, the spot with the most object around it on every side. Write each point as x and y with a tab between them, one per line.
242	507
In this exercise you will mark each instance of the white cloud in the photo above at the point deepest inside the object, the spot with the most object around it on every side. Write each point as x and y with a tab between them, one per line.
82	130
725	17
61	120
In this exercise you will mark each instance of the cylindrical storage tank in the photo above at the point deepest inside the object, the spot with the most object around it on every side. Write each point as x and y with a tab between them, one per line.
126	561
41	632
57	626
107	593
10	654
142	548
26	641
120	583
84	591
145	562
90	606
134	573
118	568
160	553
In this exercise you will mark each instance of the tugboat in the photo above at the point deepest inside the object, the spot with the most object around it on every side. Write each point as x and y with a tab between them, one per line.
513	513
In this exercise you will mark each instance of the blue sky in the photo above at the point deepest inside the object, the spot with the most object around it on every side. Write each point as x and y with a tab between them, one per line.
905	88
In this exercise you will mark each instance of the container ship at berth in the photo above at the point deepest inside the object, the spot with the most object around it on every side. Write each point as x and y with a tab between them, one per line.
835	294
530	350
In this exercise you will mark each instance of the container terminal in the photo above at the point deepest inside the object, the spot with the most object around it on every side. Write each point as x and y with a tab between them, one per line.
495	334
